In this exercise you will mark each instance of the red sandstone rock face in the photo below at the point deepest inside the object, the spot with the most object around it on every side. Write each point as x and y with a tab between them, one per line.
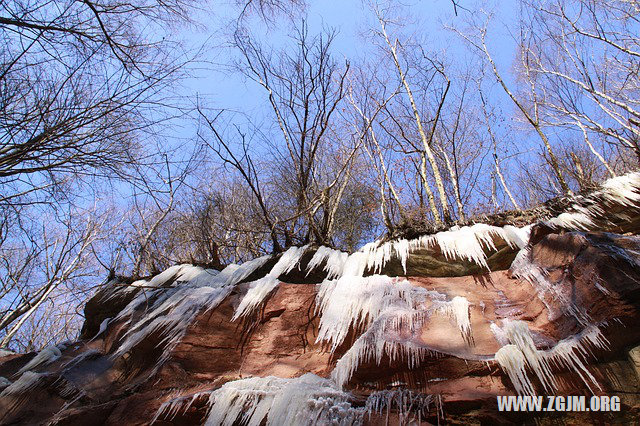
279	339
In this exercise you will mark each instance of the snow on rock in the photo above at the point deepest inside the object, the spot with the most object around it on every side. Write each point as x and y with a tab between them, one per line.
5	352
305	400
262	287
44	357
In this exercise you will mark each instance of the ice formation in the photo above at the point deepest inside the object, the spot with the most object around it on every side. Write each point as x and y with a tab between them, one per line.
4	382
172	309
261	288
393	334
305	400
458	310
171	408
570	353
523	268
458	243
4	352
585	211
353	301
405	402
334	261
44	357
27	381
512	361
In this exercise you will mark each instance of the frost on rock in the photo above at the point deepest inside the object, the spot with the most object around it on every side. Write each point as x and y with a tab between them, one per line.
458	310
262	287
305	400
353	301
570	353
44	357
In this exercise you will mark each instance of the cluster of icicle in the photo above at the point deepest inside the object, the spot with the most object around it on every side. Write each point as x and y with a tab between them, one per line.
554	297
391	313
468	243
520	355
585	211
170	310
410	406
304	400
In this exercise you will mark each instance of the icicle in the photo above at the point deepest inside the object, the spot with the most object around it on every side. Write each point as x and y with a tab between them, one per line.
357	301
385	336
512	361
523	268
262	287
24	384
623	190
516	237
519	335
305	400
568	352
172	310
256	294
458	309
44	357
403	401
572	220
170	409
334	259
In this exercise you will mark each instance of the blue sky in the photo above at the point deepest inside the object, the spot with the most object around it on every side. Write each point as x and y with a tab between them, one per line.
224	88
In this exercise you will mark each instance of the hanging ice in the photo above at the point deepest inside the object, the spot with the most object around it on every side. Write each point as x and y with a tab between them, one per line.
512	361
334	261
356	301
44	357
458	309
262	287
570	353
305	400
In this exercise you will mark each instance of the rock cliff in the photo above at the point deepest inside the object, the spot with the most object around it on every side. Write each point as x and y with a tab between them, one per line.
424	330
